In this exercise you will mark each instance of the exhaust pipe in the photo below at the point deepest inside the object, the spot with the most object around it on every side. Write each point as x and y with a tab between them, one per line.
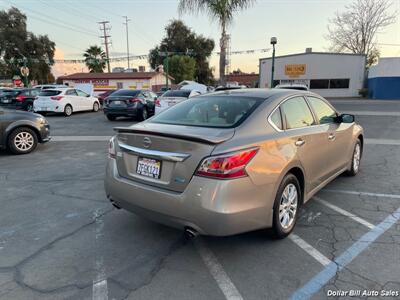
190	232
114	204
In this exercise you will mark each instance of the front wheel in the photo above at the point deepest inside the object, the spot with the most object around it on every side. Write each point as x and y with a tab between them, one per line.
355	160
286	206
22	140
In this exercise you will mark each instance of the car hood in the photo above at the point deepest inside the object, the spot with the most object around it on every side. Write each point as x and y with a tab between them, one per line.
19	114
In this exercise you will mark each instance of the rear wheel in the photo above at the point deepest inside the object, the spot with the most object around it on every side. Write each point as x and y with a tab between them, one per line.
67	110
110	117
286	206
355	160
22	140
95	107
29	107
144	115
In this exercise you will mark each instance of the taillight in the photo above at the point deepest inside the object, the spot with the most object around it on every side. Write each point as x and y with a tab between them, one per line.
20	98
231	165
157	103
111	148
134	100
57	98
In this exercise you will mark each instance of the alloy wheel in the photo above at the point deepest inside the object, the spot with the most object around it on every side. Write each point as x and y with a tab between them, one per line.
24	141
356	157
288	206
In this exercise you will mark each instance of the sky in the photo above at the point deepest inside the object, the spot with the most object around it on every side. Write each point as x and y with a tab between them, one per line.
298	24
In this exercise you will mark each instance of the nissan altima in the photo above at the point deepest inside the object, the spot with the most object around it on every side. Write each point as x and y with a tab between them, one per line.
233	161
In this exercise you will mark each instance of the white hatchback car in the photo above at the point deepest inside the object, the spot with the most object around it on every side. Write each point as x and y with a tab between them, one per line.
65	100
170	98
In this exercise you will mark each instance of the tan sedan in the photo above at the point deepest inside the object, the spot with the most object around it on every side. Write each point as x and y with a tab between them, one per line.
231	162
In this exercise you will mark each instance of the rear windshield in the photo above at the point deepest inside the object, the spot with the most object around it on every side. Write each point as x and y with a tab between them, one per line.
8	92
178	93
47	93
126	93
211	111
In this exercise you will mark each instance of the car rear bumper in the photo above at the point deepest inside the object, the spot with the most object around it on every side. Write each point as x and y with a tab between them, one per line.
211	207
127	112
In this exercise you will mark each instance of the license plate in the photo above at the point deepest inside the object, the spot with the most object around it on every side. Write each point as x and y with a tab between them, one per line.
117	102
149	167
6	101
171	103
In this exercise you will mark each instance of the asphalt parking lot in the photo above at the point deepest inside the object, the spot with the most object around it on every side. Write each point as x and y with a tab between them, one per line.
61	239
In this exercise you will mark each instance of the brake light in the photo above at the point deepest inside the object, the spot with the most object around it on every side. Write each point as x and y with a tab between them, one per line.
134	100
226	166
57	98
157	103
111	148
20	98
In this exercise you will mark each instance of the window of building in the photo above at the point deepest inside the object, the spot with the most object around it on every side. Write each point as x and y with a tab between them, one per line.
297	113
323	111
119	85
319	84
339	83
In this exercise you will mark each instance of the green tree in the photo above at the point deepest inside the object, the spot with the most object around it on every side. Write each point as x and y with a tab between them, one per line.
181	40
182	67
221	10
19	46
95	59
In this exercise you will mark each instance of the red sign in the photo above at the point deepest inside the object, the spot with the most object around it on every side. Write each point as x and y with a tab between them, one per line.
17	82
93	81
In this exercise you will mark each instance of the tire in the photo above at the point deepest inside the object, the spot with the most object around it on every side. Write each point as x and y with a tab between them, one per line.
29	107
67	110
111	117
144	114
355	159
95	107
286	208
22	140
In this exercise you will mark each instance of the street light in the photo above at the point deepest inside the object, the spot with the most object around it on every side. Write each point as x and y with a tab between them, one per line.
274	41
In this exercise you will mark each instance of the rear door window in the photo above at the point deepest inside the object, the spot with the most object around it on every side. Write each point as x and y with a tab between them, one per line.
325	114
296	113
210	111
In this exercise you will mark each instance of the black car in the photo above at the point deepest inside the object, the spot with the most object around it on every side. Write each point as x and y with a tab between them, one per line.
20	99
104	95
137	104
21	131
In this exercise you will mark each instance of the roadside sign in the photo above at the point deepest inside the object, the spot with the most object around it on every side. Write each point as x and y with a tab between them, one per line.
24	71
295	70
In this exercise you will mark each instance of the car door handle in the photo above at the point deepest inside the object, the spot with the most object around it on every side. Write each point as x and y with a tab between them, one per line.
300	142
331	137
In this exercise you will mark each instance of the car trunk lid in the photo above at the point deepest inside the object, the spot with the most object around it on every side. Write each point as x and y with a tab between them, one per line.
165	156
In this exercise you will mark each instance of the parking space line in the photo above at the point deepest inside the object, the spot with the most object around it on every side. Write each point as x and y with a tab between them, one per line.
100	290
318	256
362	193
216	270
322	278
82	138
382	142
344	212
374	113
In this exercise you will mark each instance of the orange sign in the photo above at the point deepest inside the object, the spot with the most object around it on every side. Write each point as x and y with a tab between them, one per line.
295	70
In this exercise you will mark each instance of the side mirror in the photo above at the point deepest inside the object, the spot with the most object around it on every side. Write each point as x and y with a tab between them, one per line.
345	118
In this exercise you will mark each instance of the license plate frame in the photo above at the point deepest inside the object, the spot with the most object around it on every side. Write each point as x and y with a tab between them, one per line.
117	102
149	167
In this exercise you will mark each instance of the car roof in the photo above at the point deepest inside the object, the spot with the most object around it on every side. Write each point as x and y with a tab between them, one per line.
258	93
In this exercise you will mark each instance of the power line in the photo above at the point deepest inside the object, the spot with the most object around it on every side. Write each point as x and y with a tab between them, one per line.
106	36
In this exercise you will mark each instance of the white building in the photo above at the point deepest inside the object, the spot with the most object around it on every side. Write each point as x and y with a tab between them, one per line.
327	74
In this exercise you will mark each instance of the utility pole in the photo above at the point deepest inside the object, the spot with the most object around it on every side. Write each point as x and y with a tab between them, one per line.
127	37
106	41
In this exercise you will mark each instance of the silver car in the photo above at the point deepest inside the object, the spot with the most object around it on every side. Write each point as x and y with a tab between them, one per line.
233	161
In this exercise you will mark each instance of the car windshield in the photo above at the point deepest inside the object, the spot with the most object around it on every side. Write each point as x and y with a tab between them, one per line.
211	111
48	93
132	93
178	93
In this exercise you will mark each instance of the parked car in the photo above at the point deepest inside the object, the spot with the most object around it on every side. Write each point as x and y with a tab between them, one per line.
171	98
300	87
230	162
20	99
104	95
137	104
20	131
49	86
65	100
228	88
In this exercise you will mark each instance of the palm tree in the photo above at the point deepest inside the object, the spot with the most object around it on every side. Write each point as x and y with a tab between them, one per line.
95	59
221	10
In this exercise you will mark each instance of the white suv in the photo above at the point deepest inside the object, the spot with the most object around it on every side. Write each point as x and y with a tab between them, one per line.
65	100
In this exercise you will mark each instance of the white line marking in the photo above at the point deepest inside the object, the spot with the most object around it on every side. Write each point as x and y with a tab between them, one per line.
374	113
382	142
322	259
100	290
362	193
345	213
216	270
84	138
